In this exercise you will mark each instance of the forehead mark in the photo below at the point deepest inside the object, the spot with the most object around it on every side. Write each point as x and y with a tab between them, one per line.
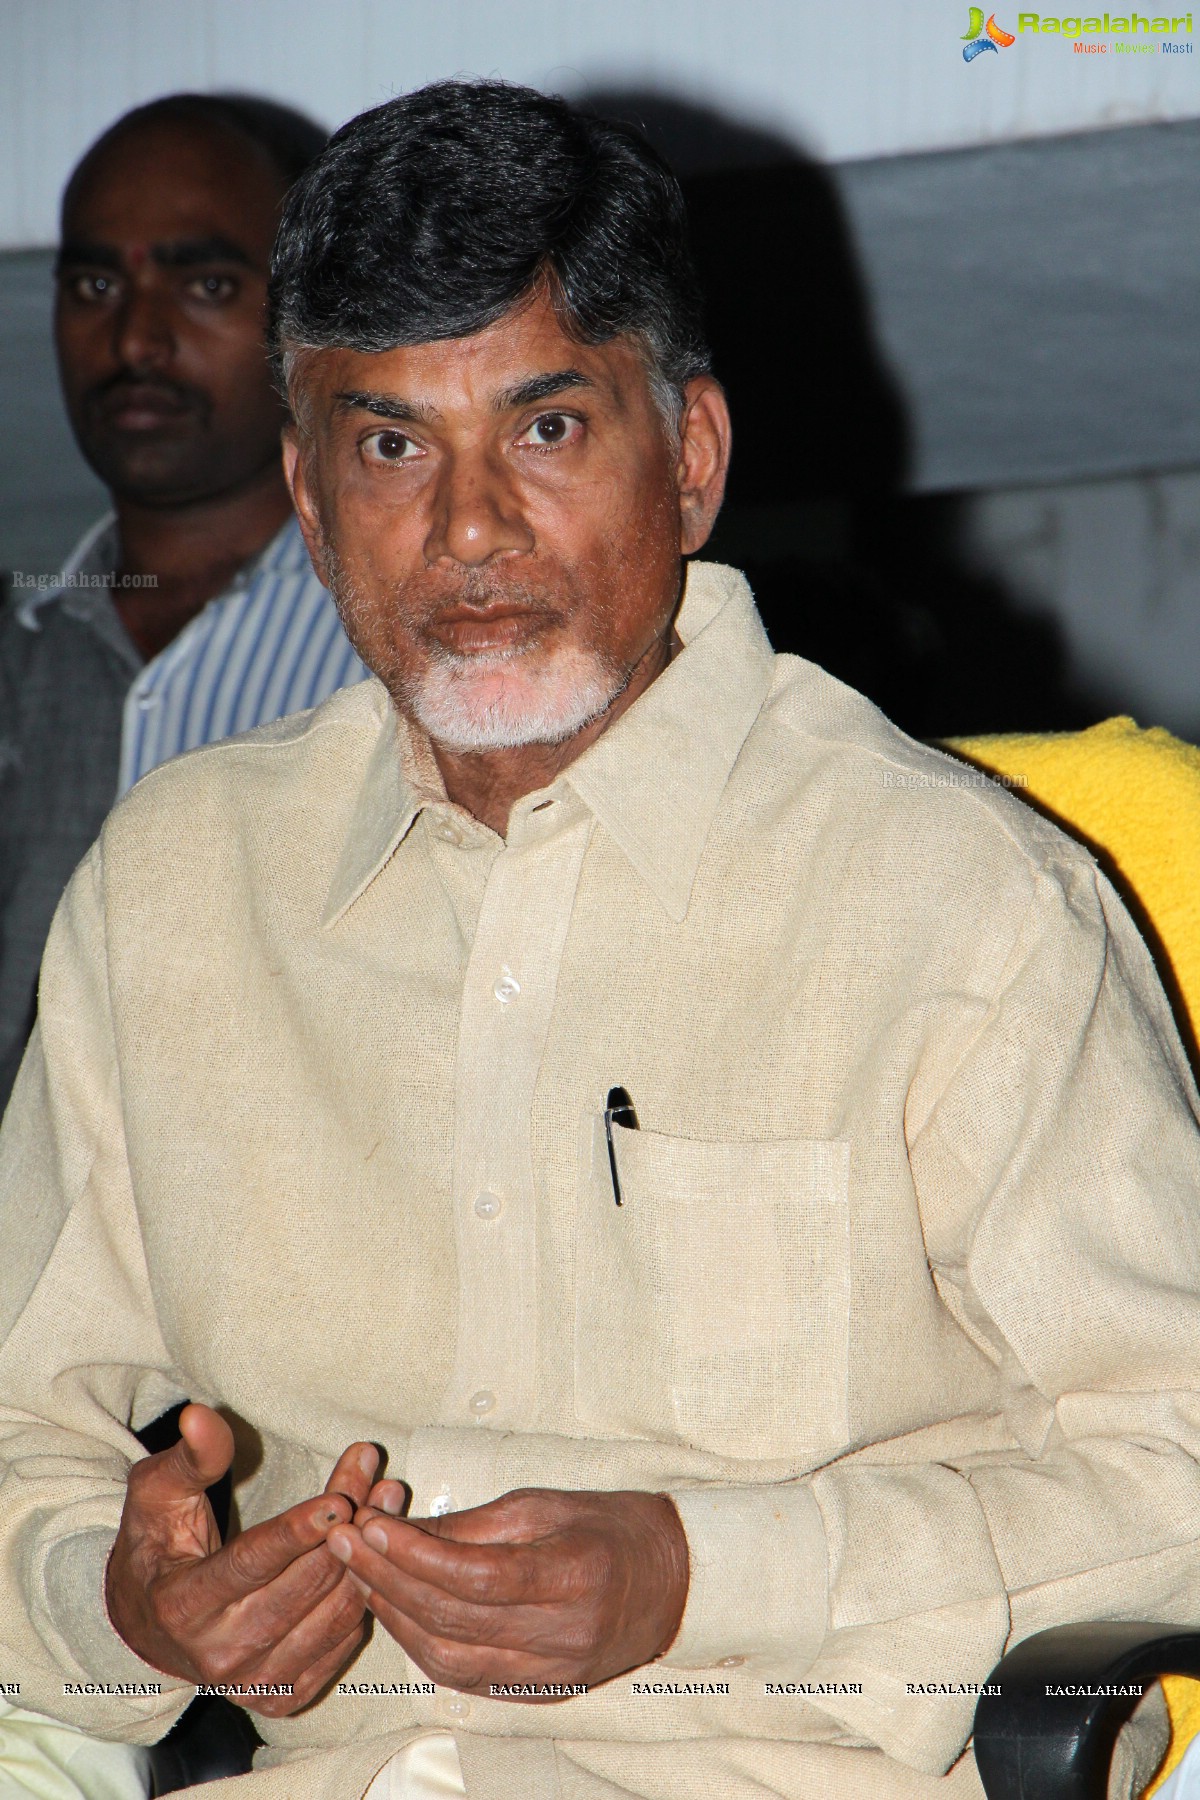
137	255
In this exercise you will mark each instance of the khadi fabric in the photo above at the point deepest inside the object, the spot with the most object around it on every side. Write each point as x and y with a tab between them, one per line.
901	1303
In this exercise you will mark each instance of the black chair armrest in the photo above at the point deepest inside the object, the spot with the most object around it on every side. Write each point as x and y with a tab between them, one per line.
1048	1734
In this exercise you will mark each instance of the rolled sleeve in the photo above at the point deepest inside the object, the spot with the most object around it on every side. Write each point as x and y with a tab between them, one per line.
73	1576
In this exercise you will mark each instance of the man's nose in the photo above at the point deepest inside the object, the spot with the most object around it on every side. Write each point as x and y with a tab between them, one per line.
143	329
477	512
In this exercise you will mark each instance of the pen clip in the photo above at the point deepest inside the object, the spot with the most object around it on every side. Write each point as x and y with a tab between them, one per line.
618	1111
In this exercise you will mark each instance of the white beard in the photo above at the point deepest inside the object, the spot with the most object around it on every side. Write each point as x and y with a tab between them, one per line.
500	699
493	699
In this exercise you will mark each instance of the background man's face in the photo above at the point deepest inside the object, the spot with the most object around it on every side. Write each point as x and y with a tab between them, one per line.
499	517
159	317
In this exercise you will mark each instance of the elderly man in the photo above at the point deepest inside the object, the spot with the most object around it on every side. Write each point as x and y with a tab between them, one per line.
745	1179
190	611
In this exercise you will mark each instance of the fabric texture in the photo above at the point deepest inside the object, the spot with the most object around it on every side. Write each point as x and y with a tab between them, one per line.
427	1769
906	1277
82	718
41	1759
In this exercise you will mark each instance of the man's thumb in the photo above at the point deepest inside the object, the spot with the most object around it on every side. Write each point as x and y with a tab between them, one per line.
201	1456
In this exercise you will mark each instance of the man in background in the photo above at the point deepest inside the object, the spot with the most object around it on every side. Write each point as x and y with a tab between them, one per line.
191	611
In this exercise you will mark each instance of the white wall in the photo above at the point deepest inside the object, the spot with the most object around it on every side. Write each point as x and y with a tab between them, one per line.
847	79
1117	564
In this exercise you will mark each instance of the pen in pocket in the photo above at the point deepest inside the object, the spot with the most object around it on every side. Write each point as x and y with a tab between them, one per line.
618	1110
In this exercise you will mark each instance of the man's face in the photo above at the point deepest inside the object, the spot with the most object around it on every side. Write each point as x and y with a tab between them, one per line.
160	313
501	518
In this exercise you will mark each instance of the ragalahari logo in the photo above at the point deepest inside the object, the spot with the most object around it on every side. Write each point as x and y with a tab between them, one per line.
983	37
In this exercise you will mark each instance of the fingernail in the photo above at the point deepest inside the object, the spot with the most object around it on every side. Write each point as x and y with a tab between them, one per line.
391	1502
340	1547
368	1459
375	1535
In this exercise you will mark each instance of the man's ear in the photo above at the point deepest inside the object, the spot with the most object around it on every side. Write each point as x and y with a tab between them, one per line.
705	439
295	473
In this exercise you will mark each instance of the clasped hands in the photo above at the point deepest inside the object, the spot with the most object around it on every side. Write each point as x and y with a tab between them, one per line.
539	1588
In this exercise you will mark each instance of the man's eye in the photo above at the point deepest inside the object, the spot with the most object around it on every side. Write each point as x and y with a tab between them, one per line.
212	287
551	430
390	447
91	288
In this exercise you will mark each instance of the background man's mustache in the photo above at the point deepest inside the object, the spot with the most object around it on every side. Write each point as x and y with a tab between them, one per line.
127	387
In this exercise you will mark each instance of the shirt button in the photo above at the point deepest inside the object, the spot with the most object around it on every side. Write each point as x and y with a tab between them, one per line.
441	1504
458	1706
449	832
481	1403
147	702
507	987
488	1206
731	1662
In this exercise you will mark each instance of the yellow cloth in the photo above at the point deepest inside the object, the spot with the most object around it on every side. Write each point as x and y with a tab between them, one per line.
1183	1704
1134	796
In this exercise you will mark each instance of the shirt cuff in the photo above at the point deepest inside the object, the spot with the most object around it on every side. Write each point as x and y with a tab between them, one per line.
759	1586
73	1578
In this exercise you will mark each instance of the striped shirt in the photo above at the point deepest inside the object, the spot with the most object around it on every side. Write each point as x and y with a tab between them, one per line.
271	644
82	717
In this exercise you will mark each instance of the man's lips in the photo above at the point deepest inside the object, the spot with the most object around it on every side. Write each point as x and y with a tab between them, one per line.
471	630
144	408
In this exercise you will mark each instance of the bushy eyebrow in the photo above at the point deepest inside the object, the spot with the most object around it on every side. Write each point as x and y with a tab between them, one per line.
540	387
74	251
386	406
529	392
180	253
188	253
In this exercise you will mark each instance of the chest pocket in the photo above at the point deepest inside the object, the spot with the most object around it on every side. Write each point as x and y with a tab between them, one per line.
712	1305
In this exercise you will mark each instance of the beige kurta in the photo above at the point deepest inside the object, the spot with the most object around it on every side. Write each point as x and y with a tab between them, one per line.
902	1304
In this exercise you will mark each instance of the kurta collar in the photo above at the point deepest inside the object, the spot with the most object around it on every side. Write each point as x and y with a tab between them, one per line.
396	785
654	780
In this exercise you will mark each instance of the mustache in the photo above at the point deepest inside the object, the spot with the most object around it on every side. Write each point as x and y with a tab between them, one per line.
127	384
425	601
483	589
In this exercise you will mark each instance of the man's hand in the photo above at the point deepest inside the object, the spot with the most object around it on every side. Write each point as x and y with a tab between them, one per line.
271	1607
537	1587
